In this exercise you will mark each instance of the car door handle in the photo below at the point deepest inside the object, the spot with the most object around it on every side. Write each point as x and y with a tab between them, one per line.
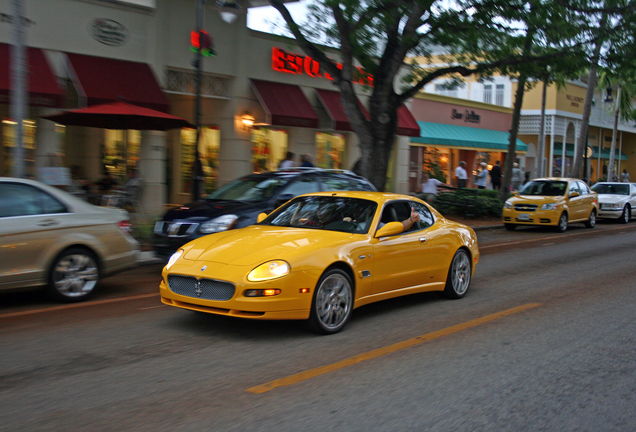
48	222
422	239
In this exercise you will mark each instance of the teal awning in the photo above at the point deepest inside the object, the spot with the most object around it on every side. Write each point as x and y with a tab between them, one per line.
464	136
605	152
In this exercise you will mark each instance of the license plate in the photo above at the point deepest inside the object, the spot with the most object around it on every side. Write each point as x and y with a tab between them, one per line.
524	217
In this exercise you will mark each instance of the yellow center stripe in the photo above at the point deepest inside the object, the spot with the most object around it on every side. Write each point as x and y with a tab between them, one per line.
302	376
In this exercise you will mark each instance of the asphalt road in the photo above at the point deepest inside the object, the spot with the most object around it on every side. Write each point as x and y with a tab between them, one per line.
544	340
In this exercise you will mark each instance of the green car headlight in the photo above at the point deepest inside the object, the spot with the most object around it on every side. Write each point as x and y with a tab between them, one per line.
269	270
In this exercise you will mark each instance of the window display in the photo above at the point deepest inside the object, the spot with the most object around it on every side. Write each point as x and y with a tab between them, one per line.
269	147
209	143
330	150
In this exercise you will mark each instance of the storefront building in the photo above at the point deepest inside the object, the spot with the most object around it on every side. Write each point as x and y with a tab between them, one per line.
454	130
261	97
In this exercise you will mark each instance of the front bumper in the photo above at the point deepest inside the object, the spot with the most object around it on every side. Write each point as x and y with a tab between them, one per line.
610	213
537	217
290	304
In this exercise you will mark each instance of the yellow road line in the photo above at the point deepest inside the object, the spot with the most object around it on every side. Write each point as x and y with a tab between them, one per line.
77	305
302	376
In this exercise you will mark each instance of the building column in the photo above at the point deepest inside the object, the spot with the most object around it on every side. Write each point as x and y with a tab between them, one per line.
47	146
152	171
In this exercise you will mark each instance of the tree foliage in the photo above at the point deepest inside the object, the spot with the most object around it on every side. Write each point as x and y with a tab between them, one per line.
457	39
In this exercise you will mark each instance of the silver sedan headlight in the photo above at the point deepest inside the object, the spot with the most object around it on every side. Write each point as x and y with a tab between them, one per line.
507	204
222	223
612	206
551	206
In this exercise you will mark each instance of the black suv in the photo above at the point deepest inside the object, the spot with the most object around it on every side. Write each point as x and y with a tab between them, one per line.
237	204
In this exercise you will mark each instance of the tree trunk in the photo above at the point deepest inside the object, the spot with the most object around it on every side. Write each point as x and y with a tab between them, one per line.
581	144
504	192
610	168
541	141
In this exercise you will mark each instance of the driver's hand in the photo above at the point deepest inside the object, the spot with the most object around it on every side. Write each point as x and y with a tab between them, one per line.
415	217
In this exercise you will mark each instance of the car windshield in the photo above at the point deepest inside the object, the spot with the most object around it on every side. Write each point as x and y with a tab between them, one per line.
544	188
250	188
611	189
329	213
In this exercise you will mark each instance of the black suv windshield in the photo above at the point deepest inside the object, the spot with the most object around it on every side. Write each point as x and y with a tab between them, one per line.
544	188
254	188
330	213
611	189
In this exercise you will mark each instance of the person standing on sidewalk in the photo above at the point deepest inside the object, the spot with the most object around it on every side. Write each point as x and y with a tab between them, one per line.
495	176
482	177
461	175
517	177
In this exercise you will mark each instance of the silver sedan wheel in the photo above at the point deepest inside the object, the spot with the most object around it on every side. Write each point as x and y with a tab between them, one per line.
74	276
333	302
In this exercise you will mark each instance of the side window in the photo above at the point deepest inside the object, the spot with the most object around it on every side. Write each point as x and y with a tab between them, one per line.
24	200
583	188
358	185
573	188
426	217
334	183
303	185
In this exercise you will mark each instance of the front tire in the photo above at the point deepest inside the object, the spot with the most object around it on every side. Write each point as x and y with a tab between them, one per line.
627	214
591	222
332	303
73	276
563	223
459	274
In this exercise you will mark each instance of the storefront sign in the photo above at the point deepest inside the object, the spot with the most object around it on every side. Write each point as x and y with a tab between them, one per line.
467	116
108	32
283	61
574	100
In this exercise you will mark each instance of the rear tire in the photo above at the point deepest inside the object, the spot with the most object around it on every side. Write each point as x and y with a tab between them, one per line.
591	222
627	214
74	275
332	303
510	227
459	275
563	223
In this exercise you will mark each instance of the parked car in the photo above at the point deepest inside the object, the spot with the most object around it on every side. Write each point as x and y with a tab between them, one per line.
553	202
51	238
321	255
237	204
616	200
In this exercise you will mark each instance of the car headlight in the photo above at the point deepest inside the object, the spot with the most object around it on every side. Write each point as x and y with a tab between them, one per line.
173	259
612	206
222	223
508	204
551	206
269	270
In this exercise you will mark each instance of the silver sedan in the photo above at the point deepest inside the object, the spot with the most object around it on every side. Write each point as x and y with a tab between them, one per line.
51	238
616	200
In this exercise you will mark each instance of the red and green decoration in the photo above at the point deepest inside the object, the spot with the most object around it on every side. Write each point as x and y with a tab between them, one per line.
202	42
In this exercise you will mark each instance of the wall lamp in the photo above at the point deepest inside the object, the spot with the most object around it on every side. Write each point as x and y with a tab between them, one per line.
248	120
608	97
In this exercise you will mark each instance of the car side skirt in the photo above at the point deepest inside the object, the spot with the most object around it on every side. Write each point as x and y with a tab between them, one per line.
435	286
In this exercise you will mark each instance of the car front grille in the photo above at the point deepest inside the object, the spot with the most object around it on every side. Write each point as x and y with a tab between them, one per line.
208	289
175	229
526	207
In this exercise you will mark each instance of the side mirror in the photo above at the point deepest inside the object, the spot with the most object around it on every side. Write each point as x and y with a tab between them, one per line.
392	228
261	217
574	194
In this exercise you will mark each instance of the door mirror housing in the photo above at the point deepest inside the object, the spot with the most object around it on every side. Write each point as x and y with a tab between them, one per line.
390	229
261	217
574	194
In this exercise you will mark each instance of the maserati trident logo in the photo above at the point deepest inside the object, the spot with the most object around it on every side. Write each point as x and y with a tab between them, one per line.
197	288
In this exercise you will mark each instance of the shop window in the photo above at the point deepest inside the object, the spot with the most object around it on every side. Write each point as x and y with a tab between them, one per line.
209	144
269	148
120	152
8	146
330	150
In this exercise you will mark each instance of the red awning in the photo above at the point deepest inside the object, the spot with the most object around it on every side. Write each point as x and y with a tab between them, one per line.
101	80
407	125
285	104
331	101
43	88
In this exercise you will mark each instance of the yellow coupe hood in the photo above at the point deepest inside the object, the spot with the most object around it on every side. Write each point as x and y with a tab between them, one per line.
255	244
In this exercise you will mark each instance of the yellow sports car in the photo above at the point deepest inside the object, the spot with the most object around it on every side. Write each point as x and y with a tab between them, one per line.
552	202
321	255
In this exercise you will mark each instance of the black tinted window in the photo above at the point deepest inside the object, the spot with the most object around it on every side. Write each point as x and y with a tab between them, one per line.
303	185
23	200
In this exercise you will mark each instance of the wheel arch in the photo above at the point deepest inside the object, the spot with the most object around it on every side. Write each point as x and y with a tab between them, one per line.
341	265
